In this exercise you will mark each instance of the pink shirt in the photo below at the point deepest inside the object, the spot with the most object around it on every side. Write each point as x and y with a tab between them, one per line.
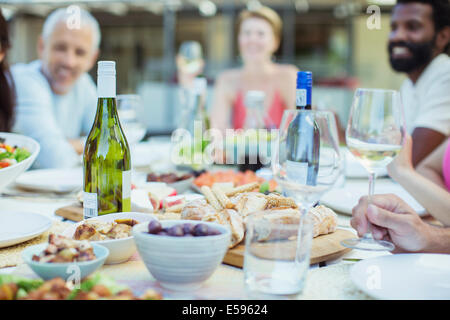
446	165
272	119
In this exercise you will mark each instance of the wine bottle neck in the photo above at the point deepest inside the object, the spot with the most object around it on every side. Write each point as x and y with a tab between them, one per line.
304	88
106	110
303	100
307	107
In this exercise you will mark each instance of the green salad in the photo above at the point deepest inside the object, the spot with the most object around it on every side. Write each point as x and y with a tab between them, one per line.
10	155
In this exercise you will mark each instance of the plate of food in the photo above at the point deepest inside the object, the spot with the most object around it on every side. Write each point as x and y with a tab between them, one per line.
159	198
17	154
51	180
180	181
148	197
112	231
346	198
55	258
18	227
229	179
418	276
98	286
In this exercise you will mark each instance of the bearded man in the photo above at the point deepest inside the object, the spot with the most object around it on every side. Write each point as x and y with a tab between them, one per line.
418	45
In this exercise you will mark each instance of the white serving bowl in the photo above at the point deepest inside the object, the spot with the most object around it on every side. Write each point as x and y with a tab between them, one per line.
181	263
120	250
9	174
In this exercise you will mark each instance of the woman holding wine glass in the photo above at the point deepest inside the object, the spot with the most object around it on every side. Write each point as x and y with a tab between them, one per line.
258	38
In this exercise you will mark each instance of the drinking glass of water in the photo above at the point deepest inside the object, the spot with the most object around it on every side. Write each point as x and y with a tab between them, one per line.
277	255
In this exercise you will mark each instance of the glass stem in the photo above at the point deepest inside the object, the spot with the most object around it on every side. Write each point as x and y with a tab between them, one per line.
372	177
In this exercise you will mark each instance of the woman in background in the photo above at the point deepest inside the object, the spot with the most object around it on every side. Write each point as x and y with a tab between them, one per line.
259	38
429	183
6	83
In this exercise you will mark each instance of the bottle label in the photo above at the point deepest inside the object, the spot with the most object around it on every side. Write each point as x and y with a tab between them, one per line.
90	205
301	99
297	171
126	184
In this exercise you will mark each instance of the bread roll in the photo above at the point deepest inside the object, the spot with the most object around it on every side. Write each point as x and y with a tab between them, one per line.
250	202
196	210
230	218
325	220
265	221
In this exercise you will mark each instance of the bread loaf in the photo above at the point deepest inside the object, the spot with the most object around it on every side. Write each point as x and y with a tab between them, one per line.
325	220
232	219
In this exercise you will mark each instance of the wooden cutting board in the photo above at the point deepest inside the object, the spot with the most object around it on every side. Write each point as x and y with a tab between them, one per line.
324	248
73	212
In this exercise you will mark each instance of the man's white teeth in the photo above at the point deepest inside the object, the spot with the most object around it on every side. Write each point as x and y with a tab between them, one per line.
400	50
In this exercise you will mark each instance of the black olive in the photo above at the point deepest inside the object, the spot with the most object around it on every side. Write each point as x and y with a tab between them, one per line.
176	231
188	228
154	227
200	230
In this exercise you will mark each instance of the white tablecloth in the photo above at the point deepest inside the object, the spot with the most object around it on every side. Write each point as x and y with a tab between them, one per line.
48	206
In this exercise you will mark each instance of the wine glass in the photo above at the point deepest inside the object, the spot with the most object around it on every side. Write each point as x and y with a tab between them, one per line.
190	58
375	135
307	161
127	108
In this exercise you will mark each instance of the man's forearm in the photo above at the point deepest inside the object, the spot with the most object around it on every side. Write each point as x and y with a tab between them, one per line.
438	240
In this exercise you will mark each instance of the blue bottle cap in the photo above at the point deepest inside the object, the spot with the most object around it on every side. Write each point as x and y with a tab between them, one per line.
304	79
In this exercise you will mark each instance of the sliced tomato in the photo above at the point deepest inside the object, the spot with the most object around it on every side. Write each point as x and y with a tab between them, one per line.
4	164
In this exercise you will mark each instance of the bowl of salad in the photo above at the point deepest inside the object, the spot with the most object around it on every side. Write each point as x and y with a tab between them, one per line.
17	154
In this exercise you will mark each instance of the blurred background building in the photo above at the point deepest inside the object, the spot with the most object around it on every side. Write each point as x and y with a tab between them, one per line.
328	37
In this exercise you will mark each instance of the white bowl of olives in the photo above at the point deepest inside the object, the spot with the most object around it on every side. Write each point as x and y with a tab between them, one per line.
181	254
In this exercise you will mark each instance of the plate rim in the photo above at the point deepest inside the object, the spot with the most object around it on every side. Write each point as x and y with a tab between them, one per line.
374	260
28	236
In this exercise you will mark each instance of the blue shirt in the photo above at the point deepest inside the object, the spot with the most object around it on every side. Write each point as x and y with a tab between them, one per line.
52	119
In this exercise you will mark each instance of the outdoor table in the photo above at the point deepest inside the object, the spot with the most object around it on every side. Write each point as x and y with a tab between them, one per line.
327	280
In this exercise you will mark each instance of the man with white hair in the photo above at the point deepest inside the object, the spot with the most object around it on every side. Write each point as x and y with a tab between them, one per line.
56	98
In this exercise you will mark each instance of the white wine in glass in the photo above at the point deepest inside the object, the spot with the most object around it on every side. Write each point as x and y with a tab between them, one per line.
375	135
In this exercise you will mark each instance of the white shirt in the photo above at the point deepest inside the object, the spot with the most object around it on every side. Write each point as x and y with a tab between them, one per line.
52	119
427	102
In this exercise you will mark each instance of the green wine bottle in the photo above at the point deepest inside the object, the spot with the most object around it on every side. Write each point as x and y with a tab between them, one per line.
107	164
